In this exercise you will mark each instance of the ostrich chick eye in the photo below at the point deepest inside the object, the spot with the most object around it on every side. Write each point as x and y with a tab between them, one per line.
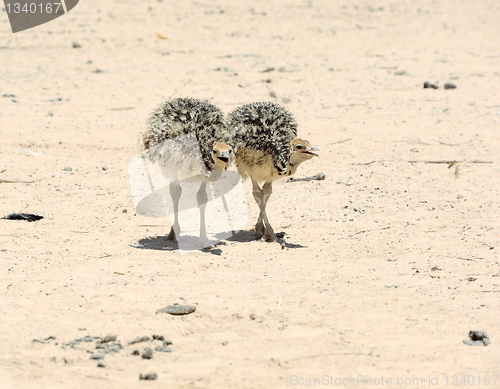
300	147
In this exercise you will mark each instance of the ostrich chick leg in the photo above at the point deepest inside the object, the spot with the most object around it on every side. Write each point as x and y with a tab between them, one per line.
202	199
267	189
261	197
258	195
175	193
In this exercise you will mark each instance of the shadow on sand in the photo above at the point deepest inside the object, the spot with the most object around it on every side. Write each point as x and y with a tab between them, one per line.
163	244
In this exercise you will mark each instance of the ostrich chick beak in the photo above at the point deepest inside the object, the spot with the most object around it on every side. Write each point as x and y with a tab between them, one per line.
310	151
224	157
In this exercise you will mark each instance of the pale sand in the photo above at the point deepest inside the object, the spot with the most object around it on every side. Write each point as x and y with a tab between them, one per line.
334	303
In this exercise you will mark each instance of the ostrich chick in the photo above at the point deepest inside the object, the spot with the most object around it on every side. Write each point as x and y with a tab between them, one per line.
267	149
186	138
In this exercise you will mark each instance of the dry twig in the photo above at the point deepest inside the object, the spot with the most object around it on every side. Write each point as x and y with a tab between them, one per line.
470	258
368	230
4	180
449	162
340	141
318	177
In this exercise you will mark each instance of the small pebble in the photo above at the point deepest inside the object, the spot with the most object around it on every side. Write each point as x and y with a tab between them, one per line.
87	338
148	377
136	352
147	353
449	85
158	337
429	85
477	338
100	364
104	168
97	356
114	349
67	169
140	339
177	309
76	45
167	342
107	339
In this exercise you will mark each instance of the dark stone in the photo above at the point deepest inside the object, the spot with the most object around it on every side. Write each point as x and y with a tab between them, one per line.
148	377
477	338
429	85
147	353
23	216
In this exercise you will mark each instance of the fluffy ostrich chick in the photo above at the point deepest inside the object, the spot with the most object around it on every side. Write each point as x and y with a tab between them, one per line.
267	149
186	137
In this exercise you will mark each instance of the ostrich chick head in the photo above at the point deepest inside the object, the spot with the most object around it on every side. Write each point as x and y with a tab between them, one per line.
221	155
302	151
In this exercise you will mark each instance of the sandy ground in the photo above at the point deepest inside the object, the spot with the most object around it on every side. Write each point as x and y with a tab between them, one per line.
389	263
